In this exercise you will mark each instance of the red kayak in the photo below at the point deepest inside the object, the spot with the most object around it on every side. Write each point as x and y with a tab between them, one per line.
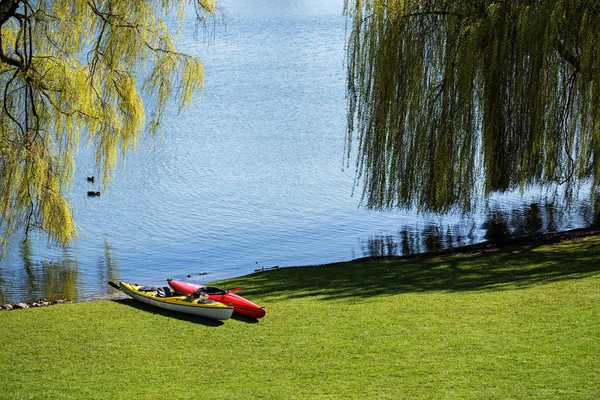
240	305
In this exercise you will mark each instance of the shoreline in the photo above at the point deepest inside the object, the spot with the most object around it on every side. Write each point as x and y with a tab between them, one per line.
492	245
487	246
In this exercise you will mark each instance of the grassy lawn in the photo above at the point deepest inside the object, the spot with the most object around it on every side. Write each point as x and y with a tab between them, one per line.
517	323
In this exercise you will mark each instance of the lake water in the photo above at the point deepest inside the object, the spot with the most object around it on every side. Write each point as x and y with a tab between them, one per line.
251	176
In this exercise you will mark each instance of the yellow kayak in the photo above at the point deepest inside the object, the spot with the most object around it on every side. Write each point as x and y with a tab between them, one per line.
163	298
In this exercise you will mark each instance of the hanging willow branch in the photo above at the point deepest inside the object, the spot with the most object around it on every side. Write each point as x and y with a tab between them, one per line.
71	69
452	100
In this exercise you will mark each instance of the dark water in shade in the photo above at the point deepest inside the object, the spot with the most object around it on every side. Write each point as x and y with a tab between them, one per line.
251	176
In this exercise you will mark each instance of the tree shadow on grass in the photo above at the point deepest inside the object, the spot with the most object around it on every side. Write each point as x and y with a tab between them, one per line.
502	268
170	314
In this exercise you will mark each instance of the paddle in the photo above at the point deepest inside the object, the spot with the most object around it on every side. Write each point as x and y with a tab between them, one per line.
111	283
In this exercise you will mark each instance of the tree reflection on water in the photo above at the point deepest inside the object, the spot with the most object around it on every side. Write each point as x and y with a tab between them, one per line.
108	269
499	225
49	279
52	280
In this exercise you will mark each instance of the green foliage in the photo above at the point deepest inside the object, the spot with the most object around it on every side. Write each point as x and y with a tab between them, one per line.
518	323
446	94
70	71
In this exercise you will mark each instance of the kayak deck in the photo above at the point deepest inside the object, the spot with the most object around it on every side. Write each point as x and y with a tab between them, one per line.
240	304
184	304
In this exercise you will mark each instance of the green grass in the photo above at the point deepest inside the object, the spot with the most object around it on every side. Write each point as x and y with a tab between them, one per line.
517	323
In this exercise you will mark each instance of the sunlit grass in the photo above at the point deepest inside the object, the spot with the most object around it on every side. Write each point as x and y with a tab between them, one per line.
521	322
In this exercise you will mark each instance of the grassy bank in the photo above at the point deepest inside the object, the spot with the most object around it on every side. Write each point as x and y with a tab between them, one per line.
521	322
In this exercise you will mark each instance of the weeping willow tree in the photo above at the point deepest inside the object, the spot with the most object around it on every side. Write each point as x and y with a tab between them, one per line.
450	101
74	71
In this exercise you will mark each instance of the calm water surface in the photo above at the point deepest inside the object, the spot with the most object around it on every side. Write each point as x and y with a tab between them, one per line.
251	176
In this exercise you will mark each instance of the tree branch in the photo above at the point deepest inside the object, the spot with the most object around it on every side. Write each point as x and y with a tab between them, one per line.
8	9
571	58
